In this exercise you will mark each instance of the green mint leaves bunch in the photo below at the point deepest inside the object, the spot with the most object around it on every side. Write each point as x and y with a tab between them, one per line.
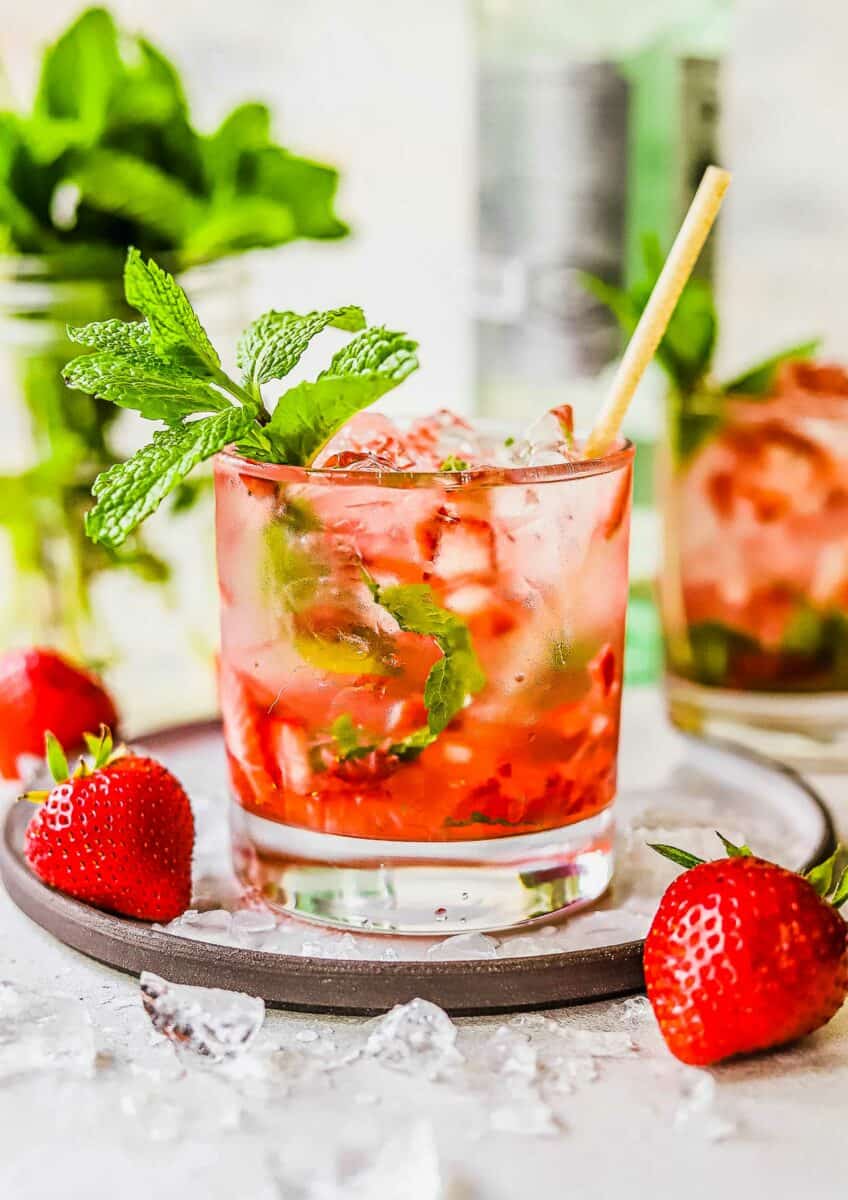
687	350
108	156
166	368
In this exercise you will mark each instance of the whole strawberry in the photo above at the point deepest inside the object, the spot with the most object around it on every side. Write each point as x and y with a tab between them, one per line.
118	833
41	690
744	955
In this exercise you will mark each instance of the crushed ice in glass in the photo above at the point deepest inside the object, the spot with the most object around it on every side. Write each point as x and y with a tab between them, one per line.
213	1023
418	1038
371	441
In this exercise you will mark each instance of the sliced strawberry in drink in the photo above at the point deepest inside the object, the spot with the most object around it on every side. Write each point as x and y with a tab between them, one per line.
602	671
288	750
487	614
459	545
243	726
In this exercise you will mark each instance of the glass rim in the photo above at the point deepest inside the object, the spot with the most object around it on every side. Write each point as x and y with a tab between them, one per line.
617	458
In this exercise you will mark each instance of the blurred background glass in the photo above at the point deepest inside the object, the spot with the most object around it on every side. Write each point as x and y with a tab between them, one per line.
411	102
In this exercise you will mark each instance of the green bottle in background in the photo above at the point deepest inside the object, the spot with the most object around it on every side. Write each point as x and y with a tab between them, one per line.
594	125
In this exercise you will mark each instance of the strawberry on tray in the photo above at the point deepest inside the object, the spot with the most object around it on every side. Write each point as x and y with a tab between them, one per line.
117	833
744	955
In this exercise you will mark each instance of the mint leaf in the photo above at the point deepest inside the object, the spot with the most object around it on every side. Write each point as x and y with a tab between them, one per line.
139	380
687	347
347	736
131	491
273	344
112	335
458	674
452	463
240	223
78	75
759	380
246	129
175	331
307	188
129	187
307	416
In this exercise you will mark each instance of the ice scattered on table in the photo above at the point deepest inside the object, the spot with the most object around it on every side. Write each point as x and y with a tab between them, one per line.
405	1167
700	1110
510	1052
417	1038
44	1033
207	1021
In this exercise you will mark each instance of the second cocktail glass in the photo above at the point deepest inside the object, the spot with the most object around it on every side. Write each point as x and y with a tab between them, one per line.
421	683
754	587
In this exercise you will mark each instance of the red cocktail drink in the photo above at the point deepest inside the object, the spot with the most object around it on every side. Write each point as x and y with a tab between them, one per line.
421	676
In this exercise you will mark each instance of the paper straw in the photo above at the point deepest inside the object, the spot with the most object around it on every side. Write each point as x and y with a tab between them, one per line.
652	324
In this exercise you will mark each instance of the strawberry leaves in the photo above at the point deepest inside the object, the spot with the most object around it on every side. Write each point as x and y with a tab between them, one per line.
57	761
824	878
682	857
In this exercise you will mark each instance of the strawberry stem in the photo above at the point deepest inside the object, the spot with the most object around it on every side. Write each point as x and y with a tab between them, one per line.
733	851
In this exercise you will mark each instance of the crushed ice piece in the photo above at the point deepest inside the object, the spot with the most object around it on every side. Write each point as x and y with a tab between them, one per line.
253	920
212	919
208	1021
331	945
699	1109
635	1010
464	946
530	1115
44	1033
508	1052
415	1037
307	1035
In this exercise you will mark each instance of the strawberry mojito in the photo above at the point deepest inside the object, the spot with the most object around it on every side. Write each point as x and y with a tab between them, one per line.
755	585
422	626
422	647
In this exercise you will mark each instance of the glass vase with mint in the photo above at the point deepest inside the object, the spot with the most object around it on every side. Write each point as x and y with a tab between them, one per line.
108	155
422	625
754	583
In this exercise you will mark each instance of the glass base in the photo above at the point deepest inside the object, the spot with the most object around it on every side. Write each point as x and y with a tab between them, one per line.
805	730
426	888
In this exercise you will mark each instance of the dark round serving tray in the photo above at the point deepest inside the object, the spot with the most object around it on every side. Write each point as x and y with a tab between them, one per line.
352	986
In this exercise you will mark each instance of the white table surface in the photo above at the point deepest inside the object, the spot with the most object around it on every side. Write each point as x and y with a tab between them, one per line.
139	1124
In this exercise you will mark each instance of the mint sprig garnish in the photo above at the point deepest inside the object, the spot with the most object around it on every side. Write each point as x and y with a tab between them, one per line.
166	368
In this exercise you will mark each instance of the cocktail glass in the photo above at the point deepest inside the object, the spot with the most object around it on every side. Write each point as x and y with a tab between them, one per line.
348	807
754	589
